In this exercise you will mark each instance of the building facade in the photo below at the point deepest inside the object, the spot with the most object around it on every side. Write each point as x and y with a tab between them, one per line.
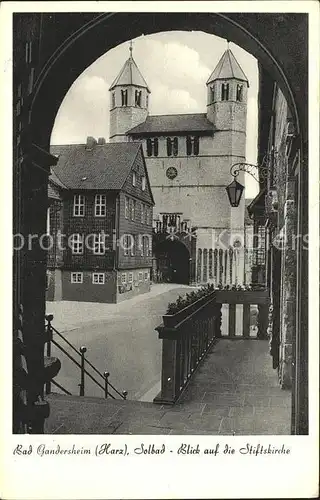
100	223
188	158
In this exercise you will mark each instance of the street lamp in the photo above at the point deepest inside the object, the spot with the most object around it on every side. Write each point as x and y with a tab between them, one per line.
235	189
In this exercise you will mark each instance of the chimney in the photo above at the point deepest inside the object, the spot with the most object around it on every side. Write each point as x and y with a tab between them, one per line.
101	141
90	142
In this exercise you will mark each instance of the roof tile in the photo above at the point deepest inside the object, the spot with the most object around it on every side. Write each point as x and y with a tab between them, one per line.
174	123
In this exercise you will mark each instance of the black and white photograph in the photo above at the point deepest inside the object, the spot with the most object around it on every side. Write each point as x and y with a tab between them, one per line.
162	232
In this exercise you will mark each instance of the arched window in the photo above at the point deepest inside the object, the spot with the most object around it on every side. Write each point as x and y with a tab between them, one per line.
138	95
169	146
225	92
124	98
205	265
192	145
239	93
153	146
175	146
210	264
212	94
113	100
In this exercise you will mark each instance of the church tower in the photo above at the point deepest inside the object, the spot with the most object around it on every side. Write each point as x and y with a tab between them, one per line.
227	94
129	100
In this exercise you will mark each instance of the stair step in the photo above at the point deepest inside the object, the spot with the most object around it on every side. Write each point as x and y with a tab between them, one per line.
96	400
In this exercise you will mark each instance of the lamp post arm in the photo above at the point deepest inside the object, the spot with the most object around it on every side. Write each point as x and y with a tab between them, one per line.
255	171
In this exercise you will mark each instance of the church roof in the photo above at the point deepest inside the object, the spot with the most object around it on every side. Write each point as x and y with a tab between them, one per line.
197	122
104	166
130	75
227	67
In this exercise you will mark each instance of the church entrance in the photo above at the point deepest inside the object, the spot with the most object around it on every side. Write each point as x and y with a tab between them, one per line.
172	262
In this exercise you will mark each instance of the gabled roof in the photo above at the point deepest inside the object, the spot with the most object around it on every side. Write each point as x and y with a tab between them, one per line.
227	67
174	123
130	75
105	166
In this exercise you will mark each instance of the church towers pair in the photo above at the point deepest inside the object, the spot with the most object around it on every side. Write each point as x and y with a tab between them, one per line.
226	97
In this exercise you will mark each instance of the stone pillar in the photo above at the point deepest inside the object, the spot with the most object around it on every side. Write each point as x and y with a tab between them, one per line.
288	297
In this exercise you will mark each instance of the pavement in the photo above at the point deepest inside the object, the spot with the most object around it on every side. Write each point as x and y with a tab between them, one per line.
120	338
235	391
69	315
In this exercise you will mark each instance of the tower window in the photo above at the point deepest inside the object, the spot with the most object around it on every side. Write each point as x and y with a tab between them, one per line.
175	146
152	147
225	92
172	146
192	144
138	94
239	93
113	100
124	98
211	94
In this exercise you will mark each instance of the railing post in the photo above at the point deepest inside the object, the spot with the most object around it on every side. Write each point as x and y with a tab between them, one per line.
83	350
124	394
262	321
49	318
106	383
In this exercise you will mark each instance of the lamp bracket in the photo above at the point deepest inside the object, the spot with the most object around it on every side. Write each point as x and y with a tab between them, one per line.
256	171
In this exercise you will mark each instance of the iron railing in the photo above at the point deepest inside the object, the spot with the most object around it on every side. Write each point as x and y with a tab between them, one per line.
82	363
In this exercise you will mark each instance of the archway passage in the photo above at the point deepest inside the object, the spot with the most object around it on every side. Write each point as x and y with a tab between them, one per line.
172	262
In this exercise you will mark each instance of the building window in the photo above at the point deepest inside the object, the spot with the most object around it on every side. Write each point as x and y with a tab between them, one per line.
76	277
147	100
132	208
113	100
143	183
146	215
153	147
145	247
100	205
146	276
225	92
78	205
124	98
132	246
134	178
98	278
124	278
77	243
98	244
192	145
126	207
140	276
128	244
239	93
172	146
142	213
138	95
130	278
212	94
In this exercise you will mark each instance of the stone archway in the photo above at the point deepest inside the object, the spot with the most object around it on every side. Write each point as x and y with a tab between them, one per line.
173	262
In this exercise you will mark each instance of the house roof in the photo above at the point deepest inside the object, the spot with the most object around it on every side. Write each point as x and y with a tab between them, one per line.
197	122
227	67
104	166
130	75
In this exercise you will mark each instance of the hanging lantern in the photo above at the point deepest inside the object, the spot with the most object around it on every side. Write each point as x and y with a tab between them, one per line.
234	190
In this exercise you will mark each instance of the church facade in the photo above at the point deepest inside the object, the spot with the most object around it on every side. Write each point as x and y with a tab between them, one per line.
198	237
